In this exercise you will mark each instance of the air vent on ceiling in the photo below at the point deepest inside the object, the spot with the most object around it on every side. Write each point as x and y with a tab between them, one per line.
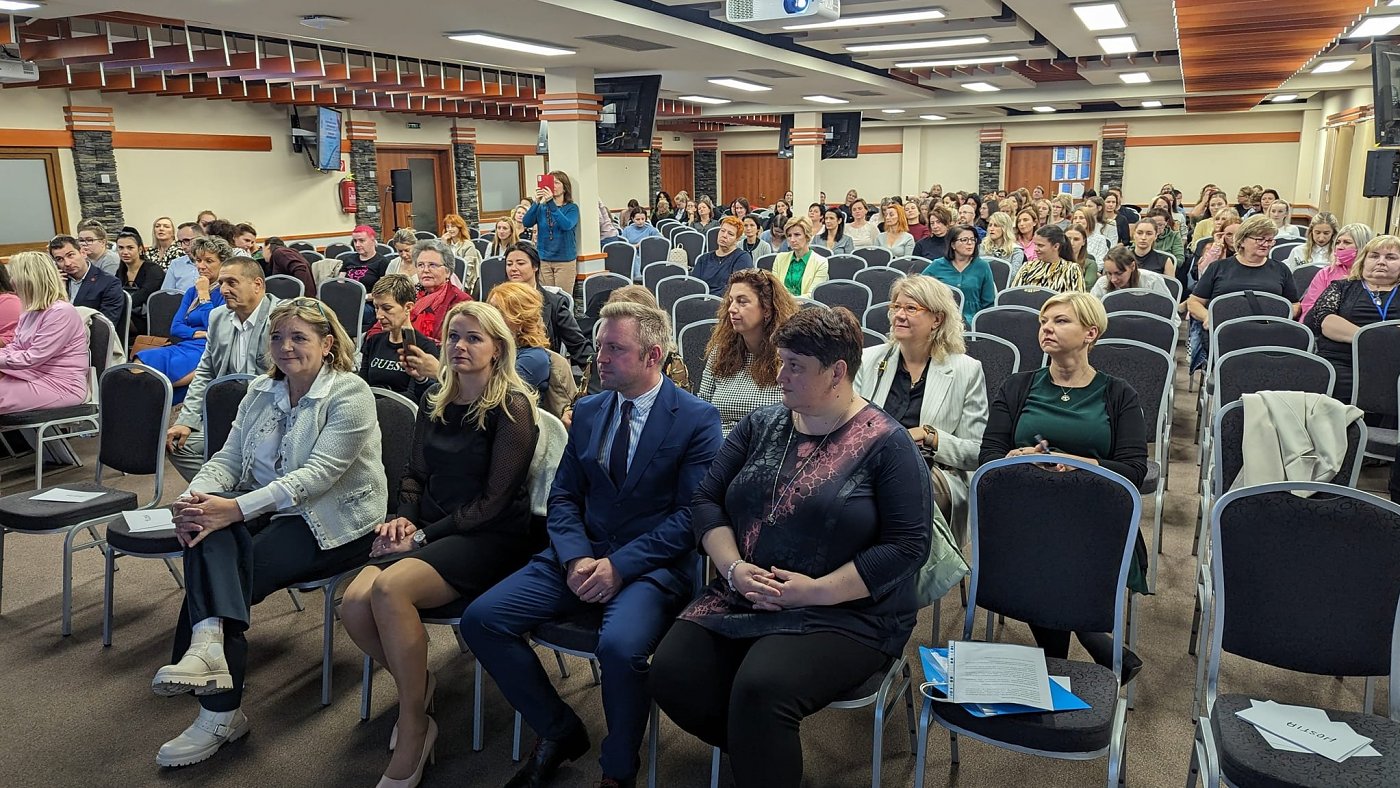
769	73
626	42
864	93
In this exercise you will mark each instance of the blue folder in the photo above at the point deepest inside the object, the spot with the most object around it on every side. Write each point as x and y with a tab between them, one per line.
1061	698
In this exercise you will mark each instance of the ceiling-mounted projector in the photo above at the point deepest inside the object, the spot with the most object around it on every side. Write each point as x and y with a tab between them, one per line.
747	11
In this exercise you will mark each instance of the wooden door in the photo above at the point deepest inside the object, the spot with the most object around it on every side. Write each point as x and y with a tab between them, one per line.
677	172
434	192
761	178
1028	167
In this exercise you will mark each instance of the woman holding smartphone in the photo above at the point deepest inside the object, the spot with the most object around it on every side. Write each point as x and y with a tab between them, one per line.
381	361
555	218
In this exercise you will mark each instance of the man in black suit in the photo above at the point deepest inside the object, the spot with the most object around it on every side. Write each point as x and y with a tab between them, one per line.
88	285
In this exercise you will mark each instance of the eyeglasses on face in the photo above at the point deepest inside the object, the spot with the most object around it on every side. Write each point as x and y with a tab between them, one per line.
908	309
1263	240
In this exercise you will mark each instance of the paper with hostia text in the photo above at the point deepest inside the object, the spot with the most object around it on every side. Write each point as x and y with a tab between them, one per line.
60	495
998	673
149	520
1306	728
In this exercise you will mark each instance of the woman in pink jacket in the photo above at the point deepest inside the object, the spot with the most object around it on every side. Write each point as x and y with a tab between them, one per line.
46	364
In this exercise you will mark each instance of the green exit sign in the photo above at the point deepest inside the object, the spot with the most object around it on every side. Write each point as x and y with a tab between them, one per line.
414	125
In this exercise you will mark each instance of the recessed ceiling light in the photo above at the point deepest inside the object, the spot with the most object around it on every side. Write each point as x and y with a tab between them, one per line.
1118	45
19	5
1101	16
1043	109
1151	104
317	21
1135	77
515	45
873	19
705	100
819	99
932	117
1375	27
899	46
981	87
966	61
893	111
1330	66
738	84
1284	98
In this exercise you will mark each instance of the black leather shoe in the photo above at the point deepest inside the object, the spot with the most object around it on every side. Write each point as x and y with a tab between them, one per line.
1132	665
545	759
614	782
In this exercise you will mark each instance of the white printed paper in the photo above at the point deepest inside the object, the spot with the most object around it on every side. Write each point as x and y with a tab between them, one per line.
149	520
60	495
999	673
1304	727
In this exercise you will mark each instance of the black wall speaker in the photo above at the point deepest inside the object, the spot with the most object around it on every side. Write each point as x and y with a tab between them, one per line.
1382	175
401	181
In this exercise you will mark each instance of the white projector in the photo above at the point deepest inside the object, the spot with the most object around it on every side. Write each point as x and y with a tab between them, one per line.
747	11
14	72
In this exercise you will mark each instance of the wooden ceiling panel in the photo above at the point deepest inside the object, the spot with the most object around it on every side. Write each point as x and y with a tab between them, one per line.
1243	45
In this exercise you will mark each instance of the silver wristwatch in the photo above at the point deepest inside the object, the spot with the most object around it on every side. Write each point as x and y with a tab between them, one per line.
419	538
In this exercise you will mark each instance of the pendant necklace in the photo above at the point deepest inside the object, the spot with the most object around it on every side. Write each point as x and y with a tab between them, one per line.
1064	394
773	508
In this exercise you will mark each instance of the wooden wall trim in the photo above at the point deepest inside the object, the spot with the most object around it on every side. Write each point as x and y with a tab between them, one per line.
35	138
1215	139
897	147
160	140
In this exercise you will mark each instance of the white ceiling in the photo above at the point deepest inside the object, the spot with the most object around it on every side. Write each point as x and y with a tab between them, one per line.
811	62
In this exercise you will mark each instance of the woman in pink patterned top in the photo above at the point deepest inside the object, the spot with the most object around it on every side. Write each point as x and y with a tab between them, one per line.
46	364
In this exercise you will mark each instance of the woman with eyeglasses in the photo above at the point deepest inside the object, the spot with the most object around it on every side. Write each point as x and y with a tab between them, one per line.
293	496
1052	267
963	269
1249	269
432	259
92	242
190	326
925	380
1366	296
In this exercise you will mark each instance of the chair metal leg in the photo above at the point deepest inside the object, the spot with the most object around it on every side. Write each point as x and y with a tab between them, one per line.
296	599
1133	615
327	638
953	748
1370	697
175	573
714	768
597	677
937	626
366	687
921	747
909	708
877	745
3	531
563	669
109	569
515	740
67	623
476	709
655	724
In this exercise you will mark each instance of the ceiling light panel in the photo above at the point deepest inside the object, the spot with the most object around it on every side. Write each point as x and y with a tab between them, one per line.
1151	104
820	99
1375	27
514	44
705	100
1135	78
1043	109
905	46
980	87
738	84
1118	45
893	111
980	60
1101	16
932	117
1332	66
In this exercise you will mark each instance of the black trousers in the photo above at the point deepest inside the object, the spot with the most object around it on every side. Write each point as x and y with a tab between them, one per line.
239	566
748	697
1395	478
1056	644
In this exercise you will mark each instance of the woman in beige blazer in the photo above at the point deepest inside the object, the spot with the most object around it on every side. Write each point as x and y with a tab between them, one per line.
801	269
924	379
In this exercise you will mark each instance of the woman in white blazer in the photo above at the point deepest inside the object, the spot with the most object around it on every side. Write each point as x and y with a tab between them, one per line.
926	381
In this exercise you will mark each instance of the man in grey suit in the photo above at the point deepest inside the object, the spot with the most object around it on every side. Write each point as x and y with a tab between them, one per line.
236	343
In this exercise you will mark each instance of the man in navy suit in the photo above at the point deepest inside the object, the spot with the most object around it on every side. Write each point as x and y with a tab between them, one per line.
88	285
620	541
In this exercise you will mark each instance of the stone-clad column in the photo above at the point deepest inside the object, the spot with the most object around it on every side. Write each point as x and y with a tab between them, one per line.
464	170
653	172
99	191
1112	151
989	152
364	164
707	168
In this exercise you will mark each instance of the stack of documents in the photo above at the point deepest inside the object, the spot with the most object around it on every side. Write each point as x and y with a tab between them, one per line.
991	679
1305	729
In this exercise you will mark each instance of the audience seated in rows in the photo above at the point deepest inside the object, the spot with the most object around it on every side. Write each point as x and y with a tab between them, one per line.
752	241
672	365
1051	267
190	327
11	308
138	276
832	235
87	285
717	265
963	269
894	233
937	240
294	495
1318	245
236	343
164	246
280	260
92	241
180	272
45	363
741	362
523	265
1071	409
620	543
1121	272
382	356
364	264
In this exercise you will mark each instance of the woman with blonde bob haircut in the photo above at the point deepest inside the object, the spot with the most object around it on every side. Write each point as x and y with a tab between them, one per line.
1070	409
924	379
293	496
45	365
522	308
463	518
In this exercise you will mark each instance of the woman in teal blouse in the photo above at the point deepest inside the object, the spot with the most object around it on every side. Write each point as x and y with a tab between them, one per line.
964	270
1070	409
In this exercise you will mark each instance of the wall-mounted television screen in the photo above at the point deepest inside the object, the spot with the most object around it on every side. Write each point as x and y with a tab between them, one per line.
1385	82
629	112
328	134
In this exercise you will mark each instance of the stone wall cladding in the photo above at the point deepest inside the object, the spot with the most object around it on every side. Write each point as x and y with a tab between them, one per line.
988	167
1111	175
93	158
363	163
464	166
705	176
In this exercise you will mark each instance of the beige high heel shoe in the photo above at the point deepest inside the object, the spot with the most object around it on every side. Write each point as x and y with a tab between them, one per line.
429	756
427	708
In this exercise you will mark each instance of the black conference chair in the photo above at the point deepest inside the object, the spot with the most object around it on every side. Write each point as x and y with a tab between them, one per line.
852	295
653	250
877	318
1066	573
871	339
674	288
692	242
655	272
1018	325
692	341
1138	299
765	262
874	255
844	266
880	279
423	235
595	286
345	297
221	400
1159	332
1267	537
1000	359
1303	277
618	258
134	406
1375	367
1001	272
1029	297
692	309
284	286
302	246
491	273
161	308
910	264
712	239
338	249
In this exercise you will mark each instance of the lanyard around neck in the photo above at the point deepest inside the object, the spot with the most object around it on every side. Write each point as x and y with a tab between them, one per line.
1384	311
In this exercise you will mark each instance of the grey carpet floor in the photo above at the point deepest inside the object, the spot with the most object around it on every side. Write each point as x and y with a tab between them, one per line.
74	713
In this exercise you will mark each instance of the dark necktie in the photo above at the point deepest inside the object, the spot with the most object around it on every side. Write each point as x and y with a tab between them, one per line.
617	458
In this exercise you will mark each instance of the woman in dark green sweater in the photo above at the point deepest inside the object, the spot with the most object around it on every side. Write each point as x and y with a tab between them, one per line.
1069	409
